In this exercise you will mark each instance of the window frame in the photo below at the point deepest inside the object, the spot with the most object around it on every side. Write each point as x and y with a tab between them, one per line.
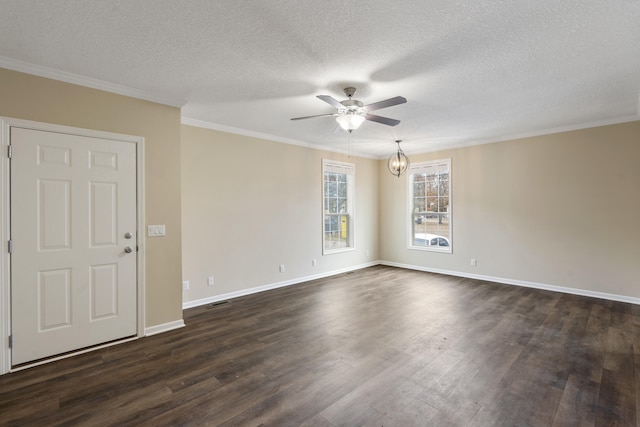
417	169
349	169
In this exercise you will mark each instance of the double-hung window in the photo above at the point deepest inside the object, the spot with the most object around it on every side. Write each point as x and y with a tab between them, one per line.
430	206
337	206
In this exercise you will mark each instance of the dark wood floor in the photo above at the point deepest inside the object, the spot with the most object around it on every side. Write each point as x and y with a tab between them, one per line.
378	347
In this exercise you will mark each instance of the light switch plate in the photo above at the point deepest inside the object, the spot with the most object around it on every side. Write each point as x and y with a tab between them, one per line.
155	230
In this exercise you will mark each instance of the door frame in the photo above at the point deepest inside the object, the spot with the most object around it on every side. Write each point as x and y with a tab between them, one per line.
5	228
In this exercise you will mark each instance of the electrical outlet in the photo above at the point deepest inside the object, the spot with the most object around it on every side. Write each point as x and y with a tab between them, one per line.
313	263
474	262
281	268
210	281
185	285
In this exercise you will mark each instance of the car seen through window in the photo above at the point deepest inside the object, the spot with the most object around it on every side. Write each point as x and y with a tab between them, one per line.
425	239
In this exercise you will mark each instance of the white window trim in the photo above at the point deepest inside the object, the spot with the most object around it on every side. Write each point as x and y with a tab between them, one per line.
421	167
349	169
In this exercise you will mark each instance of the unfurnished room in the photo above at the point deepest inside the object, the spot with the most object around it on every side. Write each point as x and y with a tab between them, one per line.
319	213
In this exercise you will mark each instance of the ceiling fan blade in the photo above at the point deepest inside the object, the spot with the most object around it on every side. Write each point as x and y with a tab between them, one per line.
386	103
311	117
330	100
384	120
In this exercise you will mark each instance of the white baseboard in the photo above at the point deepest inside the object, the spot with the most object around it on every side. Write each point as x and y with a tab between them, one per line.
243	292
534	285
165	327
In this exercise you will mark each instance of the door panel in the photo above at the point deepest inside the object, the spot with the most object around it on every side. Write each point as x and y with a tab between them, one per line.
73	200
54	221
54	299
103	204
104	291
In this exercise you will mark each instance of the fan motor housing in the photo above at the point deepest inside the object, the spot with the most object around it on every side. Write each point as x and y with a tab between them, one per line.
352	103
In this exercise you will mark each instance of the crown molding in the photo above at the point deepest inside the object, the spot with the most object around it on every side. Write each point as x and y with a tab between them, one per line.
64	76
51	73
237	131
550	131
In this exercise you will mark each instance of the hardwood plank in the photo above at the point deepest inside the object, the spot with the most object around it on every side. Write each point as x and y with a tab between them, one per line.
578	395
380	346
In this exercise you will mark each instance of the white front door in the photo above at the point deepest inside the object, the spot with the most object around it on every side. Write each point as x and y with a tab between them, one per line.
73	234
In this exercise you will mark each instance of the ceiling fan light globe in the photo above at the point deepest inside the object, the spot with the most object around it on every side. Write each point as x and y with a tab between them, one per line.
350	121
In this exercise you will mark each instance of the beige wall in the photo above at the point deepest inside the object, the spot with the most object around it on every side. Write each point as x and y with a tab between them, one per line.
249	205
560	210
33	98
555	210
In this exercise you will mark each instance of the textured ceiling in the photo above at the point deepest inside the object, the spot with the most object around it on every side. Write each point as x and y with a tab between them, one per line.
472	71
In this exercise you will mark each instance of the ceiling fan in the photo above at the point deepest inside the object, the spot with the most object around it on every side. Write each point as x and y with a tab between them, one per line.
351	113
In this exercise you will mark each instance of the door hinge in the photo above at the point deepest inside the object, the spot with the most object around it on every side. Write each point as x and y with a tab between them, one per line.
10	246
10	341
10	151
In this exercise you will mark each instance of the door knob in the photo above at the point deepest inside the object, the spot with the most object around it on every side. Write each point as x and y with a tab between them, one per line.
128	249
128	235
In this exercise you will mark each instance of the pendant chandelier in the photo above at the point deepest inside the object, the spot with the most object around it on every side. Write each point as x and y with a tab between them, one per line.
398	163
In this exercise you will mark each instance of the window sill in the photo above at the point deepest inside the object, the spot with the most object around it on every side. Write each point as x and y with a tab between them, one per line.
337	251
444	250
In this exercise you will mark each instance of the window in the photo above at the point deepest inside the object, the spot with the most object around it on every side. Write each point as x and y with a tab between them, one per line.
430	206
337	206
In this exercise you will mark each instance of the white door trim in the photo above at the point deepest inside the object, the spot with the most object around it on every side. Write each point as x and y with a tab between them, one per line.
5	228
